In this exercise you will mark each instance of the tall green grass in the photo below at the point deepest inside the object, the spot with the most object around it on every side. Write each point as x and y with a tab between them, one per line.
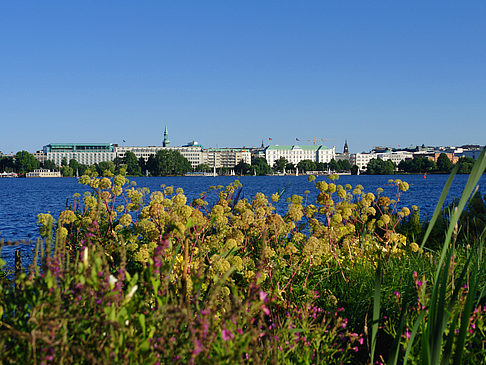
441	327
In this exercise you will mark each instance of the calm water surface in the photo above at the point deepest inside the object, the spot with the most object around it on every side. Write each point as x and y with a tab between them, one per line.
22	199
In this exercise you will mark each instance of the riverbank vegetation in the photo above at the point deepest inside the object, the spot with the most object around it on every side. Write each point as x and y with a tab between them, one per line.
132	276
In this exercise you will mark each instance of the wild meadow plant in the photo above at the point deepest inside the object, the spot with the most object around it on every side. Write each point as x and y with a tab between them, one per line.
133	276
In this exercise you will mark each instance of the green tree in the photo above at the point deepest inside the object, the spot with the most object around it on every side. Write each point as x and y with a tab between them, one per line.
25	162
280	164
74	164
7	164
321	166
204	167
103	167
378	166
143	165
333	165
66	171
465	165
443	163
49	165
344	165
259	166
242	168
133	167
306	165
168	163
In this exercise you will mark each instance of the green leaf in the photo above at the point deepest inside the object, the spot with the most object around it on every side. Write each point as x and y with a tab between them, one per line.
141	319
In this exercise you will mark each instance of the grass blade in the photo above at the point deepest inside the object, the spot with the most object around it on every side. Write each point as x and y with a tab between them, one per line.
376	311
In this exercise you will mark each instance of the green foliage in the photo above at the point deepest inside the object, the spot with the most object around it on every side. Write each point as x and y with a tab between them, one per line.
67	171
444	164
306	165
280	164
25	162
7	164
259	166
168	162
242	168
378	166
418	164
49	165
133	167
133	276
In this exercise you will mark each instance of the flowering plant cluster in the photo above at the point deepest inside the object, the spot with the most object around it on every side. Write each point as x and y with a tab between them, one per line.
131	276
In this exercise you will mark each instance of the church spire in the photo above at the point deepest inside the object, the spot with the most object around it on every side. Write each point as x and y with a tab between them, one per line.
166	142
346	149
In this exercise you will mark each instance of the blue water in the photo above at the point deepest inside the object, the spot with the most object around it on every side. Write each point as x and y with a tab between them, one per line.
22	199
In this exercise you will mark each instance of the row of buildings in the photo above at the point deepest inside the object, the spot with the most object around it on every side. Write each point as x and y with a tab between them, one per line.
196	154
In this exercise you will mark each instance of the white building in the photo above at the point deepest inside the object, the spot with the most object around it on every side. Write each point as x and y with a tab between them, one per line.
84	153
396	156
295	154
361	160
225	157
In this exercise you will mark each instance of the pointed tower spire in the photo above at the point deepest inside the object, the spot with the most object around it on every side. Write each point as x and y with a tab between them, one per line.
166	142
346	149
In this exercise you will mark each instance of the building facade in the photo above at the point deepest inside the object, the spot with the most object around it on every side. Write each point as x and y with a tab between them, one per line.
294	154
84	153
225	157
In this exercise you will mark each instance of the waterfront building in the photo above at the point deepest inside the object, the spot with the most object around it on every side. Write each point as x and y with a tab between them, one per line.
84	153
294	154
40	156
361	160
395	156
225	157
43	173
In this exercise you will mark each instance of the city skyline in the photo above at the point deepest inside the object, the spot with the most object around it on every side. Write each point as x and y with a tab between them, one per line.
234	74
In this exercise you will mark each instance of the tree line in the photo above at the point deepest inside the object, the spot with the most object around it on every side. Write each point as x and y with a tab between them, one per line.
420	165
172	162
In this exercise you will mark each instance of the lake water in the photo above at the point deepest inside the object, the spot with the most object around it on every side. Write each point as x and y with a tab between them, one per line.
22	199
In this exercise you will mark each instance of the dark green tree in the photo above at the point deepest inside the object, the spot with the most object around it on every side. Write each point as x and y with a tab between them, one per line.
204	167
103	167
321	166
143	165
333	165
25	162
344	165
259	166
378	166
242	168
133	167
444	164
74	164
66	171
168	162
306	165
49	165
280	164
7	164
465	165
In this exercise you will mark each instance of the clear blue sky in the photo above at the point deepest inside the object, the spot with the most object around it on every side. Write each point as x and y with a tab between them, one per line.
231	73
